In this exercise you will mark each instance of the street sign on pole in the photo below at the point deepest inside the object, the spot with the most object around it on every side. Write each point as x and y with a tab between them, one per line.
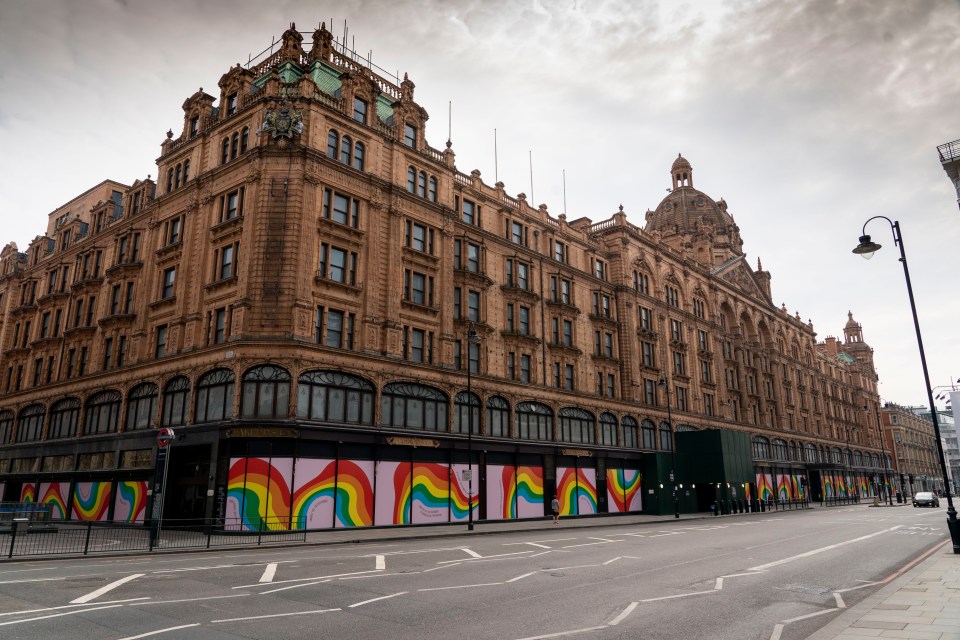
164	437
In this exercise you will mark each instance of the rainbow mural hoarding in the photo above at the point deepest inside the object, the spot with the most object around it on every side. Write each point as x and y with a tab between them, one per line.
623	490
258	494
91	501
514	492
56	495
577	491
130	502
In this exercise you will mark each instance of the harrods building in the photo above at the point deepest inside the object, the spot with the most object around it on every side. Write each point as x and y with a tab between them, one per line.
294	294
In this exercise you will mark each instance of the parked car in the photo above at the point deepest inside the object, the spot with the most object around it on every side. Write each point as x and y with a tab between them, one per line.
925	499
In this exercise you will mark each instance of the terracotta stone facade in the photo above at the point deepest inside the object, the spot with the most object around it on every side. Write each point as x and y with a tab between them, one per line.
913	448
302	277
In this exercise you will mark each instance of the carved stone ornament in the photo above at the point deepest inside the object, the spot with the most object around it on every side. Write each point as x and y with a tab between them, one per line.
283	123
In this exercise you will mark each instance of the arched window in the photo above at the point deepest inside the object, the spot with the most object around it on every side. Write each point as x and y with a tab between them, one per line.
64	418
358	153
631	432
534	421
810	454
333	144
666	437
102	413
215	396
761	448
857	459
422	185
141	406
411	180
608	429
225	151
266	393
176	397
461	414
6	426
498	417
244	139
332	396
649	432
413	406
186	171
346	149
837	455
780	450
30	423
432	192
576	425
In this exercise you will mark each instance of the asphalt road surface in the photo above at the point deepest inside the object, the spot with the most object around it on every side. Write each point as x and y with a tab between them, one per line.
764	576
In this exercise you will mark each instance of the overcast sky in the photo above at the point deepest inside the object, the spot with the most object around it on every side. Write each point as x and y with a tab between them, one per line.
807	116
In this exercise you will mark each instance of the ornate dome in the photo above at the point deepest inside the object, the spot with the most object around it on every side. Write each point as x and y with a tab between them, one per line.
686	216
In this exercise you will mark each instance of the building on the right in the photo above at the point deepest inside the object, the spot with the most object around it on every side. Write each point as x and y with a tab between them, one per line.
948	437
913	448
950	159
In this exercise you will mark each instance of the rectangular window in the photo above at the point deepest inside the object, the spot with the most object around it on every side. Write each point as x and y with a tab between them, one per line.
115	300
647	355
121	350
169	278
525	368
681	394
702	341
599	269
45	325
559	251
611	385
517	233
705	371
37	371
410	135
646	319
419	237
173	230
341	208
160	346
708	404
511	326
518	274
107	353
82	369
473	306
128	300
511	366
608	345
568	377
71	362
219	325
231	205
418	288
567	333
679	366
226	262
417	345
676	330
360	110
468	212
231	104
525	320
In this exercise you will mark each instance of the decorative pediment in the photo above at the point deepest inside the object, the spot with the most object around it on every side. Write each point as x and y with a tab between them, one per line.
737	273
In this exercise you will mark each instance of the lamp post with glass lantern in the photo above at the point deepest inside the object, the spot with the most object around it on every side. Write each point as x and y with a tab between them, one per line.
473	338
673	450
866	248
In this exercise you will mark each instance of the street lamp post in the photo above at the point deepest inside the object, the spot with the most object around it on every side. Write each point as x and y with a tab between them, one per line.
866	248
883	449
473	338
673	450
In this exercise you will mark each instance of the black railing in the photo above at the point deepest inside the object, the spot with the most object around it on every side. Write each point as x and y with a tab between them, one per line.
26	537
949	151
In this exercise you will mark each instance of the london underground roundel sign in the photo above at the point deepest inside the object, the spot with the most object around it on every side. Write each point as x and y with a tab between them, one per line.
164	437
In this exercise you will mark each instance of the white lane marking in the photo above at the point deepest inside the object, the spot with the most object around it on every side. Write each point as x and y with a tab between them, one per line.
839	599
159	631
479	558
737	575
216	566
392	595
526	575
471	552
666	533
509	544
602	539
560	634
612	560
294	586
104	589
623	614
536	544
381	563
238	595
719	585
268	572
679	595
336	575
777	630
380	575
542	553
34	580
69	606
578	566
814	552
57	615
276	615
583	544
810	615
445	566
463	586
861	586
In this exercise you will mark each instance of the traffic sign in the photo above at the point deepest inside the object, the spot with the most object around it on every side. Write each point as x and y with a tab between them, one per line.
164	437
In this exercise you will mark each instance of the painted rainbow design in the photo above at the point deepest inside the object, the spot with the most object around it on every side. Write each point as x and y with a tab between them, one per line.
567	490
864	486
783	486
53	494
795	485
622	487
827	486
529	492
402	479
459	499
431	492
509	484
764	486
28	492
354	495
91	500
587	490
131	501
263	493
320	486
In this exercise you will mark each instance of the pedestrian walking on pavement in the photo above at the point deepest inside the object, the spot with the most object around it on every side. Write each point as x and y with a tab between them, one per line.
555	505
